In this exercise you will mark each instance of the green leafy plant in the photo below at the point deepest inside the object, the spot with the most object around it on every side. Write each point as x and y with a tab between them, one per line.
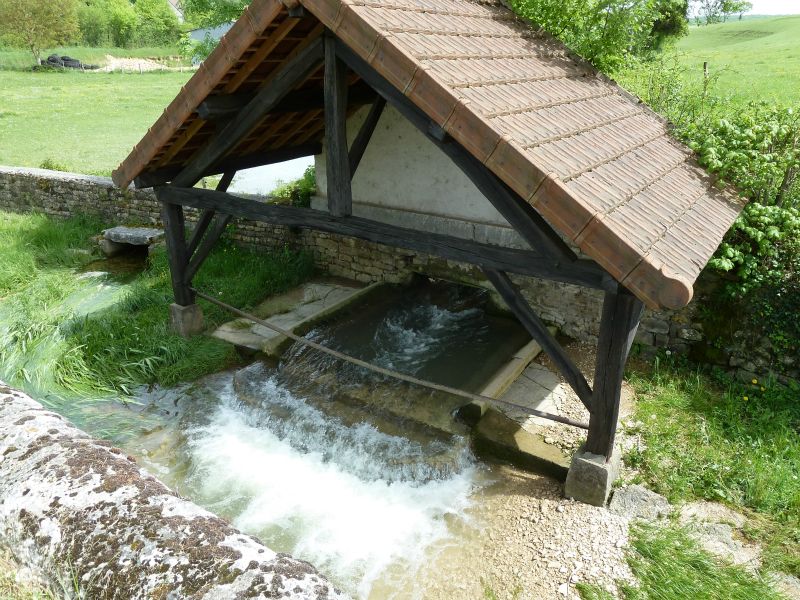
299	191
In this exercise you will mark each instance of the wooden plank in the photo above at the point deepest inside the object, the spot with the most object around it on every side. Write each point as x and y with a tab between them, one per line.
234	163
259	55
174	227
621	314
539	332
520	215
359	145
284	79
226	106
525	262
337	165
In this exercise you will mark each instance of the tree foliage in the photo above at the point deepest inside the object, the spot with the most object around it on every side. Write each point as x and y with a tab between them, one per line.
37	24
122	24
210	13
607	32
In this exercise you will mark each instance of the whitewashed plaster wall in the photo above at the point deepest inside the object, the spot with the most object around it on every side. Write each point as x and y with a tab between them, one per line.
404	179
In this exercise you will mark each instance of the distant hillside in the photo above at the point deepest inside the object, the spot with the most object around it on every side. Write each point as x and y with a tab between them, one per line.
758	57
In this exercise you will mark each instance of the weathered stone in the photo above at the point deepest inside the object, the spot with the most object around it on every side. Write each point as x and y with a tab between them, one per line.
591	477
690	334
78	511
111	249
135	236
645	337
637	502
654	325
186	321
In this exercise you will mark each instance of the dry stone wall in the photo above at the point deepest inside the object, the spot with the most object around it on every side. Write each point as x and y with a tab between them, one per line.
575	310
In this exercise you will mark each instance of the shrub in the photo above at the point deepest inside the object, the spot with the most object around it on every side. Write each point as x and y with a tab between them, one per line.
156	23
298	192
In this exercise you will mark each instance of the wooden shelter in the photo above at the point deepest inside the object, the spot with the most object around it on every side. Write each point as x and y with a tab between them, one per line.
566	156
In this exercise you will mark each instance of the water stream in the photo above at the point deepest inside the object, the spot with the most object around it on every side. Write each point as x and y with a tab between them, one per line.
362	476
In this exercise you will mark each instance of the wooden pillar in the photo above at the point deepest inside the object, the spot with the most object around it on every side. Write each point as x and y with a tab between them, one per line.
175	229
340	201
621	314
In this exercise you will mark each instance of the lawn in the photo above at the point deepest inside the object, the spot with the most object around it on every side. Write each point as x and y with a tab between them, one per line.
758	59
82	122
50	344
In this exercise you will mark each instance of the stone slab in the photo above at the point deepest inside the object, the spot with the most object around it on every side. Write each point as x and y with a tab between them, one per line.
295	310
498	436
638	502
135	236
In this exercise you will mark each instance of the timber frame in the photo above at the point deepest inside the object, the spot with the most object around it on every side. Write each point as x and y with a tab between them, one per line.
549	257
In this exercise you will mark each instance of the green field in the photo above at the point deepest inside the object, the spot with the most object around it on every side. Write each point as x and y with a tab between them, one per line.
82	122
754	58
21	58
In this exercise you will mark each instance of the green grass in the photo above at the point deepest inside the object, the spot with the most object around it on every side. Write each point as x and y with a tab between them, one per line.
757	59
669	565
720	441
21	58
50	345
84	122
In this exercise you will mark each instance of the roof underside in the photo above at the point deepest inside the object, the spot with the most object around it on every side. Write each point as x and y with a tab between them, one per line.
592	160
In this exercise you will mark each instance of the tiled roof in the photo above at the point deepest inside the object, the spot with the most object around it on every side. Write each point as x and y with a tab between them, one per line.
595	162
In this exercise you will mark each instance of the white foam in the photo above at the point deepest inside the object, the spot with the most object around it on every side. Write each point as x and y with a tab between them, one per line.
310	503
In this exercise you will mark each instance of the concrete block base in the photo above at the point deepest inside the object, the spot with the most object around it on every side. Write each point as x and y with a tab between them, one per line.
186	321
590	477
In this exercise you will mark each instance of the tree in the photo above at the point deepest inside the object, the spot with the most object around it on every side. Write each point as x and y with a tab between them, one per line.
733	7
671	22
37	24
605	32
156	23
210	13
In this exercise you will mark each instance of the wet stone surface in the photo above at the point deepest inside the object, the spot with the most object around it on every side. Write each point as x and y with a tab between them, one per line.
75	507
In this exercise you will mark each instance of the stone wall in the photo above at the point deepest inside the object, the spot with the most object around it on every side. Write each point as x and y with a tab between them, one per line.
575	310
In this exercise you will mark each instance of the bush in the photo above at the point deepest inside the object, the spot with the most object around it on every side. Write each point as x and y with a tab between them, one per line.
755	147
195	50
156	23
104	22
298	192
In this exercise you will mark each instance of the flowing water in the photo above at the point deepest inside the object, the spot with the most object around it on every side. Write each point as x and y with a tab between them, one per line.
363	476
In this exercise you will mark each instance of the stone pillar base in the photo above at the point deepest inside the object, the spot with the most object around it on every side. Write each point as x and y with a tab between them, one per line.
186	321
590	477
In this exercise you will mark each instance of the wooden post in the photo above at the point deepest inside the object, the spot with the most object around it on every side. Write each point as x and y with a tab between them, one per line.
621	314
175	229
340	201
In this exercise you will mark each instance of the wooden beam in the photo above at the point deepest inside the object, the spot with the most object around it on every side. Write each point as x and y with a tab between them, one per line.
259	55
539	332
337	165
621	314
284	79
225	106
520	215
234	163
207	215
359	145
221	222
525	262
175	230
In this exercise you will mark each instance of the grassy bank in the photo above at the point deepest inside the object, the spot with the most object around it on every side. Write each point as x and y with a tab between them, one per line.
83	122
709	438
669	565
56	333
756	59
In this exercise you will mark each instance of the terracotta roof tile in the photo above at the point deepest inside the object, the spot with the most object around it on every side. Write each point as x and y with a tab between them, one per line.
598	165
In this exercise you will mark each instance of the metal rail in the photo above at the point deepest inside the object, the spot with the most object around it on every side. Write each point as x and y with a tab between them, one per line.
388	372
